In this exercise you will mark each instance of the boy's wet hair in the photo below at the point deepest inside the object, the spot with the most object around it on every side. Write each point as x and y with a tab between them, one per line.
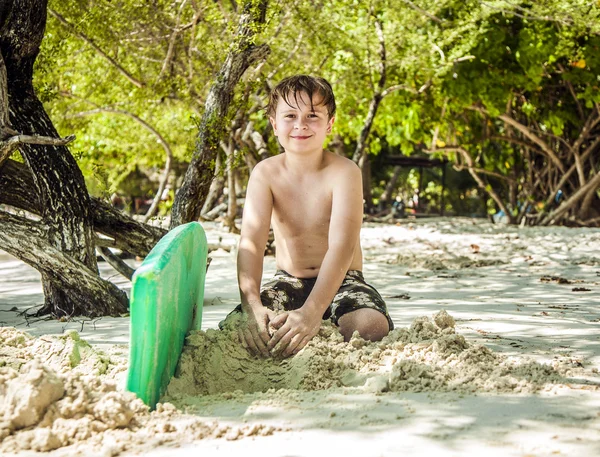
290	87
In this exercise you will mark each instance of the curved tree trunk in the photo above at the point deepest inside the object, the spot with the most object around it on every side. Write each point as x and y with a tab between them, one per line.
200	173
58	182
26	239
124	232
229	220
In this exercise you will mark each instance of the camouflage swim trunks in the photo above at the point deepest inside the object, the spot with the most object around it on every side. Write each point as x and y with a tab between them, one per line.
285	293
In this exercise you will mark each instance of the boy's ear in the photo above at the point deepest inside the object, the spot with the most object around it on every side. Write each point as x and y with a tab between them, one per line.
330	124
273	124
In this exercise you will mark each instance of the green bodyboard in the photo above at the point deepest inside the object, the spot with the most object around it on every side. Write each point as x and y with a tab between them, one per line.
166	303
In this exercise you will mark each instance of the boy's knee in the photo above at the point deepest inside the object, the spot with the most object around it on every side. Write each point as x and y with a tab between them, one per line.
370	324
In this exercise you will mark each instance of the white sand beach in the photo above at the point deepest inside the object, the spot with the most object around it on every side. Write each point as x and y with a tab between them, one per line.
496	351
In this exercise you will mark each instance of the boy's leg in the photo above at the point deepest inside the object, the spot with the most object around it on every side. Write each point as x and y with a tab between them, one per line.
359	307
370	323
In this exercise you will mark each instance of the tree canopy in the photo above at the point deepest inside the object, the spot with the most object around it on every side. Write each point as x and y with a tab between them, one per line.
502	88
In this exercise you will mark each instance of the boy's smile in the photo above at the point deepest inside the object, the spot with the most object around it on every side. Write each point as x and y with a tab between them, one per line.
301	128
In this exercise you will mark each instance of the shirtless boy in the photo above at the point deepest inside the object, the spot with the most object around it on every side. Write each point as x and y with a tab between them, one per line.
314	201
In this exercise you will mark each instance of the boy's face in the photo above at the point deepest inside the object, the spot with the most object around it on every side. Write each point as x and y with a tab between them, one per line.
301	128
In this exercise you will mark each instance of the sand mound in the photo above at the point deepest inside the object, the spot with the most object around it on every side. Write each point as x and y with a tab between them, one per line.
67	352
428	356
55	392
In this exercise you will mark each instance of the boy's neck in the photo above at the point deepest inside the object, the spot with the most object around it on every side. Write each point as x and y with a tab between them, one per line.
304	163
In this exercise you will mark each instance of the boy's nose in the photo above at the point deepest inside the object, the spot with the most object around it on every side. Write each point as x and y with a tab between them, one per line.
300	123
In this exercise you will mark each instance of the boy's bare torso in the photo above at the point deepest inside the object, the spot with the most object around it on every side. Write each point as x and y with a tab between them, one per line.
302	204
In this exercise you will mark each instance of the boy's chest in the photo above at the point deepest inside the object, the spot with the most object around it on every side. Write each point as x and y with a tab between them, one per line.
302	205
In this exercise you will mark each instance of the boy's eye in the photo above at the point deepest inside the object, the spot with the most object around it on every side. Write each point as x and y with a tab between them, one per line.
290	116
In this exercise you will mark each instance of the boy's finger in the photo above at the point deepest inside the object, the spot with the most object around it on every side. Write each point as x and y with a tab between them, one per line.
279	320
264	336
303	343
291	347
250	341
277	336
259	343
242	339
283	344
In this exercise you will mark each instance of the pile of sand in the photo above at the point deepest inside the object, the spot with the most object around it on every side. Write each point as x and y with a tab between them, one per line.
67	352
58	391
428	356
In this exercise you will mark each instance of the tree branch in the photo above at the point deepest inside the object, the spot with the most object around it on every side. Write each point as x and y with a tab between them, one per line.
565	177
527	14
9	145
510	139
5	126
27	240
165	145
361	144
172	40
534	138
422	11
242	54
573	94
136	82
567	204
469	165
16	184
115	262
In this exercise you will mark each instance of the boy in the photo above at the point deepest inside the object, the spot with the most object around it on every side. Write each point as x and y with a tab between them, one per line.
314	201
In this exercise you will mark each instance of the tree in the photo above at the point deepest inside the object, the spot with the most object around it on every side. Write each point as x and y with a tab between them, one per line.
200	173
61	244
525	113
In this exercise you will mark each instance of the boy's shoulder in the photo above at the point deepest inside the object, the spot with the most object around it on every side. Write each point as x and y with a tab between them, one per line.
342	168
269	163
341	161
267	166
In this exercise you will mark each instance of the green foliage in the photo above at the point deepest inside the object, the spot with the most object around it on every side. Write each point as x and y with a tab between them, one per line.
457	68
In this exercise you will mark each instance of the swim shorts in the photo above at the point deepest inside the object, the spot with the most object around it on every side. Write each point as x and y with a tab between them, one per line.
285	293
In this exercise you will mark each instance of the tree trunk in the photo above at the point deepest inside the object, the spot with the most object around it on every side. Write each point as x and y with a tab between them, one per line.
27	240
229	220
59	184
365	166
389	188
200	173
126	234
216	187
570	203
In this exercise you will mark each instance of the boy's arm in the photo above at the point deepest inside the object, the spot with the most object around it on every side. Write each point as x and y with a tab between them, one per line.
254	234
300	326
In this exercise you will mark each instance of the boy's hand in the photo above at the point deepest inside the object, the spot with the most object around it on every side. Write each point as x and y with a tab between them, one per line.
295	329
253	331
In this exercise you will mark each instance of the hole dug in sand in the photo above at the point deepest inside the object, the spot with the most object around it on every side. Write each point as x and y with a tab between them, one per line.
428	356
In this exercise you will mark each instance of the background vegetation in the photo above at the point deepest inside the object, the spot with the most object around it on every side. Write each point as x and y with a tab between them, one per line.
506	90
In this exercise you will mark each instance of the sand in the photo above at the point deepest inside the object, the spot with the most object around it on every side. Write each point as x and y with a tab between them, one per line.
59	392
428	356
495	351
